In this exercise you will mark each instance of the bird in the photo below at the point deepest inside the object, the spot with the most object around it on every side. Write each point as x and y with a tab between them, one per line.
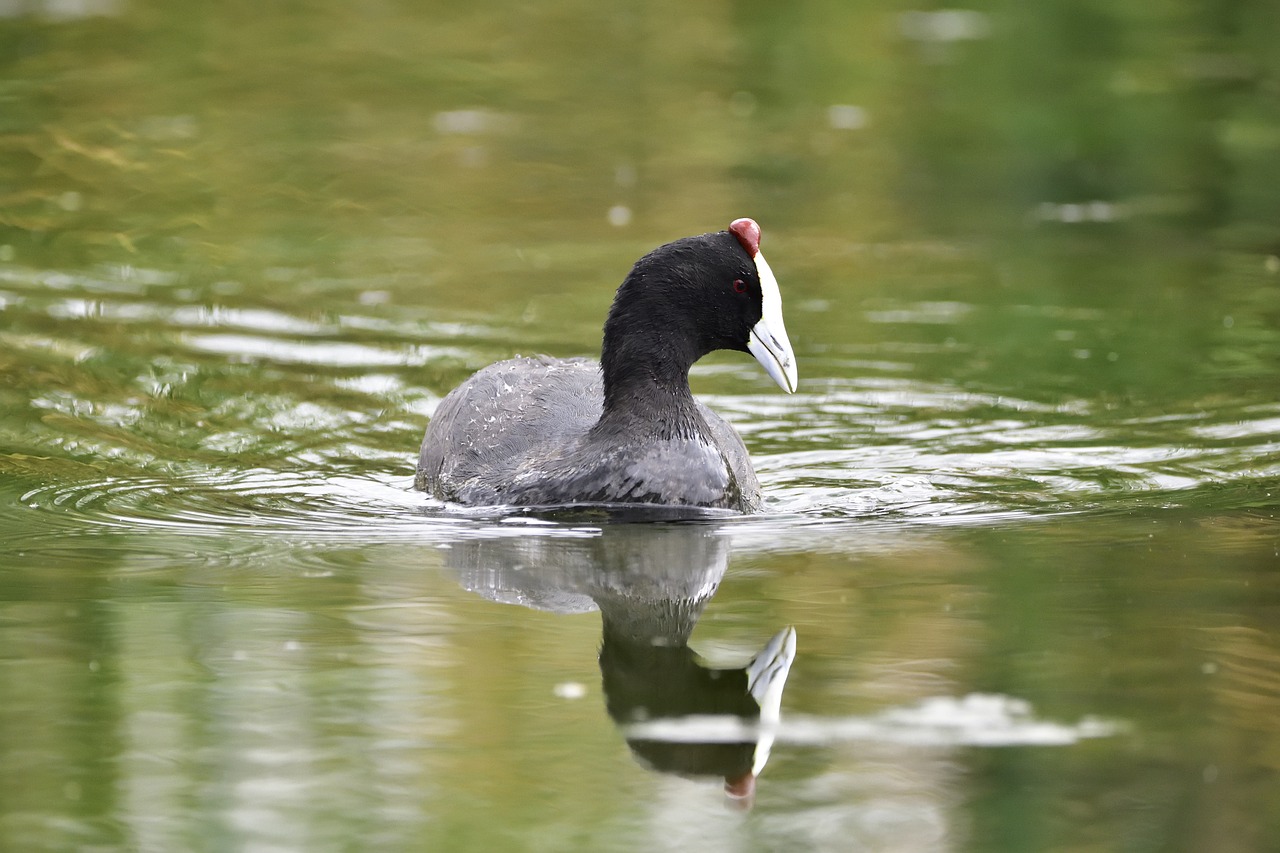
551	432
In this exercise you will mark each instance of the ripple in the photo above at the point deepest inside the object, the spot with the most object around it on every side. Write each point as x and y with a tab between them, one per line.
266	506
926	472
239	440
218	502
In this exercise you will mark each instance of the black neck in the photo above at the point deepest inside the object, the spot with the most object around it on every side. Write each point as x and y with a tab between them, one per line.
646	375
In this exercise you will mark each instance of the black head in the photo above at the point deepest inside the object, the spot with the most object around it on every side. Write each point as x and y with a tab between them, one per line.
691	297
705	288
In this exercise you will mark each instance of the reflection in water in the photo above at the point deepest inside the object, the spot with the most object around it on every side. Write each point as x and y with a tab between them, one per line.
238	265
651	584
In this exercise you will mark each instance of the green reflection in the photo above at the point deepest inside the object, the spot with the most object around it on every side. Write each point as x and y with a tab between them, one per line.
1030	263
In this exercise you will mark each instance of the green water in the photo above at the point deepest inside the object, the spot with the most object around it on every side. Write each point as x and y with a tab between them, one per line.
1021	511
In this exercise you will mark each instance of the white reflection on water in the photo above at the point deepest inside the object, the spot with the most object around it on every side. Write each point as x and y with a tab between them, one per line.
944	25
326	353
60	10
268	750
979	719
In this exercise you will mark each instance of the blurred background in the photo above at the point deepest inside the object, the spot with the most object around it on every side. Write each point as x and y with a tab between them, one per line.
1030	259
506	161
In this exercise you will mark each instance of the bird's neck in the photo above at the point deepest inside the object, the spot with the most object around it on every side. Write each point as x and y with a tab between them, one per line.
646	381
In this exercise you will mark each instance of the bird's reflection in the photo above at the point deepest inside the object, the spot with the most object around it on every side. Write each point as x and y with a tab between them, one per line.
650	583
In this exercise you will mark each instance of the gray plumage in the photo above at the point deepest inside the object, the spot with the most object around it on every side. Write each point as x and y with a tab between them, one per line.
549	432
519	432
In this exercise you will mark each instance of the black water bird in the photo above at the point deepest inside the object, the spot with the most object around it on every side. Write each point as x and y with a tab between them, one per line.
551	432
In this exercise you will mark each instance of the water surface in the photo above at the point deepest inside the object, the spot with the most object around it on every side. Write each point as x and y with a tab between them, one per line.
1021	511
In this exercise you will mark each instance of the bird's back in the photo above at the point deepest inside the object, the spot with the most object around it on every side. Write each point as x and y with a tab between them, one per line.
510	415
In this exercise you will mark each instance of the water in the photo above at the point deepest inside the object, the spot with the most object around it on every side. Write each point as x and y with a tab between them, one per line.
1021	511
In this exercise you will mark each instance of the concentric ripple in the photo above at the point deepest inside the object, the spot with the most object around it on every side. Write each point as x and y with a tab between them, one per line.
131	409
951	469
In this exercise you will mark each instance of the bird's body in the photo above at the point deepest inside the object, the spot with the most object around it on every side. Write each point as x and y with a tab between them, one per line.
521	432
545	432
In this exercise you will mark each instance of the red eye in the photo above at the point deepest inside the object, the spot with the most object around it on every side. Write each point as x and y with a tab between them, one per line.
739	286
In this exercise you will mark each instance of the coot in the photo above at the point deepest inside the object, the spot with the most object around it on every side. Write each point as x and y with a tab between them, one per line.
549	432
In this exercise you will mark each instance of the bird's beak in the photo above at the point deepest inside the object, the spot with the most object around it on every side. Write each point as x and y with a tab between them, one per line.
768	338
